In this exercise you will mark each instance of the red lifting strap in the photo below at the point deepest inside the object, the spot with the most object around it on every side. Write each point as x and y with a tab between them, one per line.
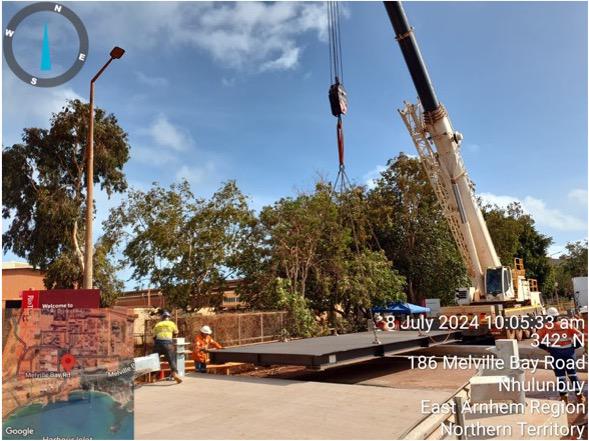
340	141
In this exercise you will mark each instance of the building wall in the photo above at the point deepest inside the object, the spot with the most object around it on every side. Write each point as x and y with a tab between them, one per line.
16	280
141	299
153	298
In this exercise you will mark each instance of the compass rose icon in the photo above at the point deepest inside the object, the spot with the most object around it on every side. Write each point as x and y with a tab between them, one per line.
46	66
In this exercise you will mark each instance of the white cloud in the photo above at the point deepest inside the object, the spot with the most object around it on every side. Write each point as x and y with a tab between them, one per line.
501	201
262	36
543	215
151	81
372	176
256	36
578	195
288	60
165	134
197	174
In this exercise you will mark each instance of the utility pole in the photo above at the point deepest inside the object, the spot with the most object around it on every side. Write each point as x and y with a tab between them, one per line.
116	53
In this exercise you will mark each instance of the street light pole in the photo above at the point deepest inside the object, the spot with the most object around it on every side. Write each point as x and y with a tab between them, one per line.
116	53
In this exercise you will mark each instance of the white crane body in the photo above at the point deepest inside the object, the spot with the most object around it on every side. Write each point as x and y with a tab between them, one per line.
438	145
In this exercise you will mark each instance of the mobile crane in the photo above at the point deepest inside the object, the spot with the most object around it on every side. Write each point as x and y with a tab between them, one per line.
497	290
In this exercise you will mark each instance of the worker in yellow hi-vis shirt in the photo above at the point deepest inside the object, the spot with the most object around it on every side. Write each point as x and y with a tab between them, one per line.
163	332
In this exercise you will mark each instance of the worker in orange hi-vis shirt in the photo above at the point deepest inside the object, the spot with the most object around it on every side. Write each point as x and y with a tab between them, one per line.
202	343
560	339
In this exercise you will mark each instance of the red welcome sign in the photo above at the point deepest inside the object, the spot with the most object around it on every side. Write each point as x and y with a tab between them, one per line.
61	299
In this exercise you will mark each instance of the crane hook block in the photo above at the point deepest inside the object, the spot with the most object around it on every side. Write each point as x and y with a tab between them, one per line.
338	99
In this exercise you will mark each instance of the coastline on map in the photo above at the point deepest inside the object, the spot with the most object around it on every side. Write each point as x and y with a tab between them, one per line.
85	413
65	398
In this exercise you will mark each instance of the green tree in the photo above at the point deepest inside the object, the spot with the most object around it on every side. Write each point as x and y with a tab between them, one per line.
43	187
295	228
515	235
320	246
105	271
563	282
182	244
412	231
301	320
505	229
575	259
572	263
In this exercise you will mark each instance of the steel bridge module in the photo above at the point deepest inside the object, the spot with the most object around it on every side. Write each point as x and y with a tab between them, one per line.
333	350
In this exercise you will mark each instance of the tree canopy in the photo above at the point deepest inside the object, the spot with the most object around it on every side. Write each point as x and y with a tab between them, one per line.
411	228
571	263
43	186
319	244
321	254
515	235
182	244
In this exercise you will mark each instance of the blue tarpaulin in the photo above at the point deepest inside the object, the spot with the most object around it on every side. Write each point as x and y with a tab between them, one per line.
401	308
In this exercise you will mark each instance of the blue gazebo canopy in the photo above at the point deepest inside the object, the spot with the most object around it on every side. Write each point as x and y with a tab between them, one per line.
401	308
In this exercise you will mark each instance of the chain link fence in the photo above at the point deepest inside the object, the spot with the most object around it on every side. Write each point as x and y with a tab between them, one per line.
233	329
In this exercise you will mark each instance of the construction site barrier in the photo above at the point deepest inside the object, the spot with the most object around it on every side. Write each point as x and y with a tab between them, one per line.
233	329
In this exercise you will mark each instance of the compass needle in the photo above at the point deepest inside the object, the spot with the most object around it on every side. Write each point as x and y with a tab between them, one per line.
45	53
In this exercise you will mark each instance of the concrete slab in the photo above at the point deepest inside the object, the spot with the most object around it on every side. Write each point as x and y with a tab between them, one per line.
322	352
219	407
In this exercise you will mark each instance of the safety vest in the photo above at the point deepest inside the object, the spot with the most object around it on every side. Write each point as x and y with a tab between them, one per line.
165	330
561	335
200	343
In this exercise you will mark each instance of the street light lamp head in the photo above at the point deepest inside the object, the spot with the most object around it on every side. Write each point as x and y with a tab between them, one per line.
117	52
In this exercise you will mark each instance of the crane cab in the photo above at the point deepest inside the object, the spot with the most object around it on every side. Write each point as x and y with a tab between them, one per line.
499	284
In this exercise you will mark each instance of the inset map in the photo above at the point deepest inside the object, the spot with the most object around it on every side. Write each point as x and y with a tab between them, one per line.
67	373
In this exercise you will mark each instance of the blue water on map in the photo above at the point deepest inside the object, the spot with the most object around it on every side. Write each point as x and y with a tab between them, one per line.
85	415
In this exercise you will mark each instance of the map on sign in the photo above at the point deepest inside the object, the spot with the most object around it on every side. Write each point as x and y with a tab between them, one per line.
67	373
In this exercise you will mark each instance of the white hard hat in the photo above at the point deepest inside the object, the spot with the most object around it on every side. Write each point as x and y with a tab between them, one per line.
552	312
583	310
206	330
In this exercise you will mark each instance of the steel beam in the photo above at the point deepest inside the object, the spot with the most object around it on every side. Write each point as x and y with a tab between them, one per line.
330	351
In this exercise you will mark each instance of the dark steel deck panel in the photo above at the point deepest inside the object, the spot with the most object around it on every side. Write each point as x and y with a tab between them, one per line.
324	352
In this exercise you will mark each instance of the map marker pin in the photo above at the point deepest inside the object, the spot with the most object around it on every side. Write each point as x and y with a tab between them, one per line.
68	361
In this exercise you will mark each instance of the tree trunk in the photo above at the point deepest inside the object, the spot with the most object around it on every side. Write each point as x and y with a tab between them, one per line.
410	290
77	249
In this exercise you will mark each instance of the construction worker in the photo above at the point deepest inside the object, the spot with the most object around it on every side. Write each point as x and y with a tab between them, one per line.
163	333
560	339
379	322
202	343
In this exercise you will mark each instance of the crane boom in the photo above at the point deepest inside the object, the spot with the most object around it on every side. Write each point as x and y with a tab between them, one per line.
438	145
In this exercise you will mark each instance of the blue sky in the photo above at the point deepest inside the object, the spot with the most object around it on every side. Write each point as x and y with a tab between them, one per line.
221	91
